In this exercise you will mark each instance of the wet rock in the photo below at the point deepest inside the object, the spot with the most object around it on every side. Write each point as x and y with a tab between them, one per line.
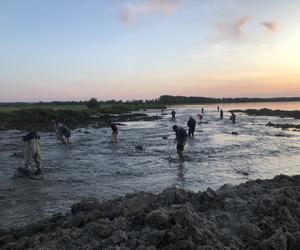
211	193
234	133
139	147
293	241
118	236
154	237
85	205
158	218
275	242
260	214
100	229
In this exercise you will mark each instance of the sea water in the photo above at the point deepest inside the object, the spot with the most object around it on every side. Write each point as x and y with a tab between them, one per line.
93	166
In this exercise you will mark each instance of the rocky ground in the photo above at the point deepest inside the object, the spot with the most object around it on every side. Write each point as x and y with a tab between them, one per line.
269	112
261	214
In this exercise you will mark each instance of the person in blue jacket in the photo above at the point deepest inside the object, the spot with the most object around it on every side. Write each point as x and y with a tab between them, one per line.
181	138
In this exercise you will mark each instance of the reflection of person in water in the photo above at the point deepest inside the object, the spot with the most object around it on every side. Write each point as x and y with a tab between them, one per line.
221	114
180	175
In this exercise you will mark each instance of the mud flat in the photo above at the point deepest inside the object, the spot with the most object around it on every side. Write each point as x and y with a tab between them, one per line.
41	119
284	126
260	214
269	112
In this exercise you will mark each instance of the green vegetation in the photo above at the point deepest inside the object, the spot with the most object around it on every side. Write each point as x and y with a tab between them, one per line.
40	115
24	106
107	107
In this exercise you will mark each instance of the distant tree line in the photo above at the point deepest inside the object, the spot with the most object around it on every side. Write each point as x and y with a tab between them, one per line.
162	100
169	99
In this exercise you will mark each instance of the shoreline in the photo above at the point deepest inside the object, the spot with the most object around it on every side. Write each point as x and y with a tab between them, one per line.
259	214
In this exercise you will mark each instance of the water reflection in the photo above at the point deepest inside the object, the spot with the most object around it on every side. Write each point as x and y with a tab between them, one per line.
181	175
92	166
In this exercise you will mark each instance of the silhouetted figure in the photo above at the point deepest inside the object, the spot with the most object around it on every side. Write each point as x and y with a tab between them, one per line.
202	110
62	131
191	124
173	115
232	117
200	117
221	114
181	138
218	108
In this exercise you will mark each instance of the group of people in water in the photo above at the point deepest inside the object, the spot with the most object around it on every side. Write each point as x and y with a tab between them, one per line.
63	133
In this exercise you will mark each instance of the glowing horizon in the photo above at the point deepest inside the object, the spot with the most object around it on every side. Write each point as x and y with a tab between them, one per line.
141	49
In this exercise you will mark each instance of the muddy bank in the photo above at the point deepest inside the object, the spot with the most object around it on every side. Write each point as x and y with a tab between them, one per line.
261	214
269	112
41	119
284	126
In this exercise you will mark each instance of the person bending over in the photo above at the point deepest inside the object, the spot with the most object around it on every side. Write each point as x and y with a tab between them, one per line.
181	138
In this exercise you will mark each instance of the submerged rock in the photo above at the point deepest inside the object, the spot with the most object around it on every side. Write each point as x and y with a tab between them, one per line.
261	214
139	147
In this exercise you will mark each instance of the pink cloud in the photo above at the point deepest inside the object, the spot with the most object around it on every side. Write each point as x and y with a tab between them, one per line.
133	11
235	30
272	27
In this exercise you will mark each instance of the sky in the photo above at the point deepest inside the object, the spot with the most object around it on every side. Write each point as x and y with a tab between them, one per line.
141	49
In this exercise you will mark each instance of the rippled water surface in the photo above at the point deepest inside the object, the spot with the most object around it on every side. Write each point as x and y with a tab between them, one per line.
92	166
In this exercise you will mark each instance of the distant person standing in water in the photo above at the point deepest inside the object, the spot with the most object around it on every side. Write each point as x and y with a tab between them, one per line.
63	132
32	152
191	124
232	117
202	110
200	117
221	114
114	132
181	138
173	115
218	108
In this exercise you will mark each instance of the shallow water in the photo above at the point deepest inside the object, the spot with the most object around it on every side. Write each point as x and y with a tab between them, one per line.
92	166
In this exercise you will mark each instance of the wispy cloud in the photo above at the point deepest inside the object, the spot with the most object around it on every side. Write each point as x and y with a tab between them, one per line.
132	11
272	27
234	30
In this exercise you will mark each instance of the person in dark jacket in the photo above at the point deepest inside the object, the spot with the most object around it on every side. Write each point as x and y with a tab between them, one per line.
191	124
221	114
232	117
173	115
181	138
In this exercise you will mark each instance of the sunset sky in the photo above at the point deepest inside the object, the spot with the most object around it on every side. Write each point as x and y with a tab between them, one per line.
141	49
